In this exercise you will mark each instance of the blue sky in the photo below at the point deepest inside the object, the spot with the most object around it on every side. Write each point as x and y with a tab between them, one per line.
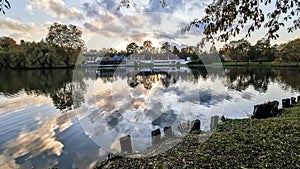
104	26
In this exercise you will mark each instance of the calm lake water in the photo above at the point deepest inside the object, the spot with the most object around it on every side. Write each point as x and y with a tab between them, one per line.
71	118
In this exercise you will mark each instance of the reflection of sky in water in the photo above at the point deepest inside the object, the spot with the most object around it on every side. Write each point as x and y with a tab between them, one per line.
114	110
34	133
241	104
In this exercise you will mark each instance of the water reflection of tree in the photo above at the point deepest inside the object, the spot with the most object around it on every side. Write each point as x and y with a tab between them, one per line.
237	78
67	97
241	78
147	78
288	77
56	84
185	127
113	74
199	72
110	75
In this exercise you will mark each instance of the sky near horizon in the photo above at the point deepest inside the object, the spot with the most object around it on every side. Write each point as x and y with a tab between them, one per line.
105	26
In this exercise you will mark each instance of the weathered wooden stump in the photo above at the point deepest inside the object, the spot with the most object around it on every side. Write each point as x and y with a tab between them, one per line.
196	124
155	135
286	103
214	121
126	144
293	100
266	110
168	132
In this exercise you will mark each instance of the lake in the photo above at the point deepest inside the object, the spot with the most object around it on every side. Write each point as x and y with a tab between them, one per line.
73	118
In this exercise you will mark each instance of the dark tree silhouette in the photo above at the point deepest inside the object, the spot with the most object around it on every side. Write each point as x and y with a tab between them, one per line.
132	48
4	4
225	18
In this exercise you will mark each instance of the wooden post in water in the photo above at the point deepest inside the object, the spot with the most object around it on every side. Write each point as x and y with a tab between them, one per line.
126	144
293	99
286	103
155	135
168	132
214	121
196	125
298	99
283	103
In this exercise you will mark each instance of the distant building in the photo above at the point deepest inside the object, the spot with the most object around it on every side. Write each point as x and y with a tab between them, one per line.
157	59
92	57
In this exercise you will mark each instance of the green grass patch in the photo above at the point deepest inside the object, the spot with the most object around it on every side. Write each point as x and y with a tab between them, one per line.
246	143
263	64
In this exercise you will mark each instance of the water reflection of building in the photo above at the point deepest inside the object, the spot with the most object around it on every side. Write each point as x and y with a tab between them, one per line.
114	73
92	57
156	59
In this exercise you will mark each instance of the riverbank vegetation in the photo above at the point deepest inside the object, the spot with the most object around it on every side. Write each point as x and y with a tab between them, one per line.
240	53
63	45
262	51
246	143
61	48
223	19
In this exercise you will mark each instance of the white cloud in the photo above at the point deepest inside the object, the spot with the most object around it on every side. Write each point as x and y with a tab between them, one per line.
12	24
23	31
56	8
20	36
108	23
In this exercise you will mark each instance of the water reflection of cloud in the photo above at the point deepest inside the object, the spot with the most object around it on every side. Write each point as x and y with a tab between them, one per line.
165	119
137	111
40	140
84	160
64	120
15	104
36	142
248	95
7	163
204	97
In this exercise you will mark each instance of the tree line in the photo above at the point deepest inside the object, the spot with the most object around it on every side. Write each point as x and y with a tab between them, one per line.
60	49
147	49
236	51
242	50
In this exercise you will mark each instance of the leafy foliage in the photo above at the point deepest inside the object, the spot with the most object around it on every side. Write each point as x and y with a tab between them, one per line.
242	50
132	48
147	45
225	18
4	4
65	36
290	51
36	55
61	49
5	42
166	47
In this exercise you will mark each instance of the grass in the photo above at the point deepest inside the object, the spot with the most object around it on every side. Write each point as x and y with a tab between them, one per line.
247	143
263	64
